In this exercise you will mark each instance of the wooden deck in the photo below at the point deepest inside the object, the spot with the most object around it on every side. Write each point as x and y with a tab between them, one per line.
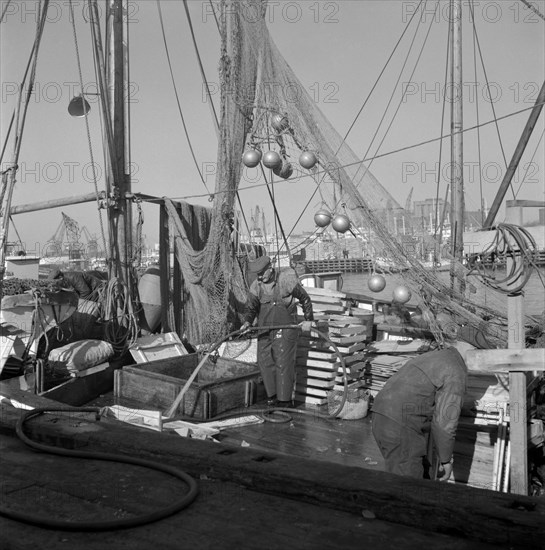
225	515
250	497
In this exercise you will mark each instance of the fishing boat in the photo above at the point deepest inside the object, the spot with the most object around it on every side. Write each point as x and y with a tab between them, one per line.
178	371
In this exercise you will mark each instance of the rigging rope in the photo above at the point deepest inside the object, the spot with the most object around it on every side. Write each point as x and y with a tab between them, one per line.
8	186
533	8
88	132
476	36
443	109
4	11
180	110
380	76
382	155
477	114
409	50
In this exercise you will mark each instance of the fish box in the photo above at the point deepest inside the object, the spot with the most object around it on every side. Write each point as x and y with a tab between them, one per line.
221	385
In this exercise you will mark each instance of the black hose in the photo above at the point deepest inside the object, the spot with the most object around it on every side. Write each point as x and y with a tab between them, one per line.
123	523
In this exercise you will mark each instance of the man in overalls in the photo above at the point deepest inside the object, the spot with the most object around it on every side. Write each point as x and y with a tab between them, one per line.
272	300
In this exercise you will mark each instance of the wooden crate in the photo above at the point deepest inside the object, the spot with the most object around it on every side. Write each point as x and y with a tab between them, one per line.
219	387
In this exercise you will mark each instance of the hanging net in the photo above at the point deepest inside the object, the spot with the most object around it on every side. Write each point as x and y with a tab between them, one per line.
264	108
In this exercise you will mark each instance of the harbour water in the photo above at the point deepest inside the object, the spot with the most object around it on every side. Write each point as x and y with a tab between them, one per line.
534	293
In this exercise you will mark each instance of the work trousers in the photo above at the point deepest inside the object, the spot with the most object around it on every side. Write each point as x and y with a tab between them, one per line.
402	447
276	351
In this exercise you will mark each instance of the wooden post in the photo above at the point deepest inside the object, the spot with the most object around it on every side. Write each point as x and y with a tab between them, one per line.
177	287
457	160
164	267
517	380
120	230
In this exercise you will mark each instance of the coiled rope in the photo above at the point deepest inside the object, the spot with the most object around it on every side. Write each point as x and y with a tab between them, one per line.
514	247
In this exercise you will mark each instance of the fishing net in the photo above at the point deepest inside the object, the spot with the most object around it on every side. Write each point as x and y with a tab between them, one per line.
285	119
265	107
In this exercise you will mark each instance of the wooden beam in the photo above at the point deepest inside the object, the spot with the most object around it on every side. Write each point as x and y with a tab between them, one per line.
56	203
469	513
518	432
517	155
505	360
164	267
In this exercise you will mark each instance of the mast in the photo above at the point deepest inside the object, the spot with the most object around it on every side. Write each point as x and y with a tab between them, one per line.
119	212
457	160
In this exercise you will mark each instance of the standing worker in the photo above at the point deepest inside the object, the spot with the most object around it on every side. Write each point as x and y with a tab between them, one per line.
423	398
272	300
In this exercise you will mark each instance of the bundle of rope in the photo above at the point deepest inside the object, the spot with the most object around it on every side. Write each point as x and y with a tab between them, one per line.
121	318
513	247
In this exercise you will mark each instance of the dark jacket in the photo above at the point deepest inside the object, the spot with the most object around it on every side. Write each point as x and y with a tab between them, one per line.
427	392
287	287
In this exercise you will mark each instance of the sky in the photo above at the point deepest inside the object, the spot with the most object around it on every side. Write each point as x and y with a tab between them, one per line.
337	49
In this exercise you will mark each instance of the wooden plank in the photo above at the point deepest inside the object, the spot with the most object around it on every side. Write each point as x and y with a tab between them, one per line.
324	292
349	339
164	265
476	515
518	413
315	373
505	360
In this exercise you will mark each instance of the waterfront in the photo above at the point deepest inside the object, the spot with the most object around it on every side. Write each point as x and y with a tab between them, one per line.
534	296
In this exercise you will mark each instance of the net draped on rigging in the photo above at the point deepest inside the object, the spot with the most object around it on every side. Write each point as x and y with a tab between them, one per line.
257	84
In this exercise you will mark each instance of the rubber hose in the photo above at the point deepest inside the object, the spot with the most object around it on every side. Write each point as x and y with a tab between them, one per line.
123	523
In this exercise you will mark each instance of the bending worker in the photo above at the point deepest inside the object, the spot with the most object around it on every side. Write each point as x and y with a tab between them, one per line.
272	300
423	398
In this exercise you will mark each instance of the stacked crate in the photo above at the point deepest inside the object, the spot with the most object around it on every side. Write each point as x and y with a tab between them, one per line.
318	362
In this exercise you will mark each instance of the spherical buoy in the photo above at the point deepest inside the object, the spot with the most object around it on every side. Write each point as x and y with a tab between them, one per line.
272	160
376	283
341	223
401	294
286	170
251	158
279	122
308	160
322	218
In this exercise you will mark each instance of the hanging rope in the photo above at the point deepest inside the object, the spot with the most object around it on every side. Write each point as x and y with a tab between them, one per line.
122	326
180	111
88	132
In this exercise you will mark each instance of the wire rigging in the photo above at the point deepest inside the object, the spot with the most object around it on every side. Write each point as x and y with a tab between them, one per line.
180	111
477	111
4	11
392	97
443	111
533	8
488	88
88	131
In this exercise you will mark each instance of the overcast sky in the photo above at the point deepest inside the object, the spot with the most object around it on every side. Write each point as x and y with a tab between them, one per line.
337	49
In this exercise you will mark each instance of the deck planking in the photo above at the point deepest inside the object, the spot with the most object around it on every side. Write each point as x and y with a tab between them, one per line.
224	515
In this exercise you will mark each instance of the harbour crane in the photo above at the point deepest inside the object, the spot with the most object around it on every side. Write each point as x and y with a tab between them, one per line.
69	229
